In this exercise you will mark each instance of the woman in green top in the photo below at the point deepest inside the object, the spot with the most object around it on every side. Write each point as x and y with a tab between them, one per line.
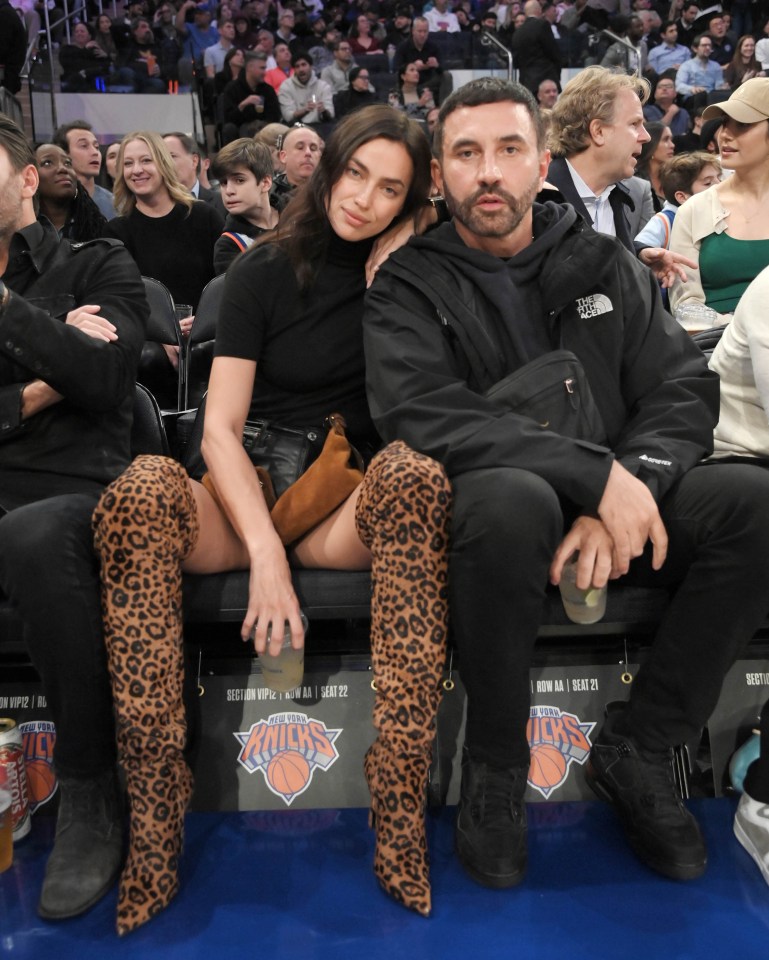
726	228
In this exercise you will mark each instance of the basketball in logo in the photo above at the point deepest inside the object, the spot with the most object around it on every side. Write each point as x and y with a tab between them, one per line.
41	779
548	766
288	772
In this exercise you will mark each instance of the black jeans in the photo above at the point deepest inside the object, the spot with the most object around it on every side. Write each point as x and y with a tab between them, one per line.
507	525
49	571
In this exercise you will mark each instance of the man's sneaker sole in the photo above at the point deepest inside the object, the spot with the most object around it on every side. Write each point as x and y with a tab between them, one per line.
675	871
750	848
494	881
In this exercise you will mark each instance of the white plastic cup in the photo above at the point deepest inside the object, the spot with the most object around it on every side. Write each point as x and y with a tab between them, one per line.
285	671
696	317
581	606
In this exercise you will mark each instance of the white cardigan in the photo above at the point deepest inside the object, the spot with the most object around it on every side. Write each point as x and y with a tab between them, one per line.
697	218
741	359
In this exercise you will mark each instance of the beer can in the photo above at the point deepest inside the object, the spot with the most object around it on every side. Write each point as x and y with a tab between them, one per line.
13	776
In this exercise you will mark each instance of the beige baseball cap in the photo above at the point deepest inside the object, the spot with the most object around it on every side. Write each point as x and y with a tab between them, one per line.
748	104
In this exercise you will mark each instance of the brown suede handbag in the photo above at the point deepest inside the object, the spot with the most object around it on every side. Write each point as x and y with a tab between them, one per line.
302	481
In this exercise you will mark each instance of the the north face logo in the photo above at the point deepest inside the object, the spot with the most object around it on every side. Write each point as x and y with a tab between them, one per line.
593	305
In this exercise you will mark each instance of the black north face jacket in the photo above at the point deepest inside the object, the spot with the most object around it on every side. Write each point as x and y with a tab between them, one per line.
435	341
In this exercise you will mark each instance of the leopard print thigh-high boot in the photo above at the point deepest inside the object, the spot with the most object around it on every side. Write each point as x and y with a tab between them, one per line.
402	516
145	524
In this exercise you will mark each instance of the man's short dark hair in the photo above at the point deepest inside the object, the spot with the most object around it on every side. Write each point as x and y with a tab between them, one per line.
137	22
301	55
60	136
667	24
15	144
478	93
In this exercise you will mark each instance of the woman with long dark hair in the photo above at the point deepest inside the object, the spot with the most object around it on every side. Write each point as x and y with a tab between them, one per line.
289	349
360	37
654	153
62	200
234	61
417	101
744	64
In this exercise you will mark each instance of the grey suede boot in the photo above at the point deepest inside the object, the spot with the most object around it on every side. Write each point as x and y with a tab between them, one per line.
88	848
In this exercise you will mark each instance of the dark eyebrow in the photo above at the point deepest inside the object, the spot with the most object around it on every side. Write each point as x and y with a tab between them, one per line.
363	167
508	138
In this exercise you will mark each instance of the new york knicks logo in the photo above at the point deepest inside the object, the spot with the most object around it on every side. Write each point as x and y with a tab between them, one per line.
556	739
288	748
39	738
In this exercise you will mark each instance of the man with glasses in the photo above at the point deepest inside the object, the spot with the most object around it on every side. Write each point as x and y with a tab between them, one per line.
337	74
700	74
665	109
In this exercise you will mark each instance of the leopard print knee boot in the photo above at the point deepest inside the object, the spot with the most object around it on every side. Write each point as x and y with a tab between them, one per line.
403	516
145	524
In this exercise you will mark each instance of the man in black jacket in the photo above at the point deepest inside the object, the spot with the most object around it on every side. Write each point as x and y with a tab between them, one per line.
535	51
72	323
456	312
248	103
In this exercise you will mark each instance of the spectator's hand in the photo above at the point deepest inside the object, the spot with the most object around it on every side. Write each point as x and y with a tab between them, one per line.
631	517
590	537
85	319
666	265
186	325
172	352
432	62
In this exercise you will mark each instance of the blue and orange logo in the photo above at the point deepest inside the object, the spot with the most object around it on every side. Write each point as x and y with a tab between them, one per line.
556	739
288	748
39	737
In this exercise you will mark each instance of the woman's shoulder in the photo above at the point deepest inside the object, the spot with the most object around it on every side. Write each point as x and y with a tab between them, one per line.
703	211
262	261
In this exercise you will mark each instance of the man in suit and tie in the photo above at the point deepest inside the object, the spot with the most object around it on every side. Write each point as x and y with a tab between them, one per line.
596	138
185	154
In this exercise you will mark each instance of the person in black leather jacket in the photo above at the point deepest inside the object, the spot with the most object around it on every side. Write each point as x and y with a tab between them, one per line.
72	320
506	283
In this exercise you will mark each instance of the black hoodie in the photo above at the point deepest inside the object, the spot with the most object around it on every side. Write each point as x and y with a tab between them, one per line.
444	322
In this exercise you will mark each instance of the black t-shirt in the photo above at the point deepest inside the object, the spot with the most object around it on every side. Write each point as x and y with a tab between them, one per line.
308	348
177	249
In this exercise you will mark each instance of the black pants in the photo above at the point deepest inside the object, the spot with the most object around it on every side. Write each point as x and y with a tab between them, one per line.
507	525
49	571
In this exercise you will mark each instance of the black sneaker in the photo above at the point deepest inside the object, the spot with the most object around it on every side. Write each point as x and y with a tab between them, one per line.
490	834
662	832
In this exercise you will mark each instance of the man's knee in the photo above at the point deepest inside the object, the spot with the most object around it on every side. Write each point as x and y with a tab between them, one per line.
513	509
37	540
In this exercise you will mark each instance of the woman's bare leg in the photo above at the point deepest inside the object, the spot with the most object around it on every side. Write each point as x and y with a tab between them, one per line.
335	543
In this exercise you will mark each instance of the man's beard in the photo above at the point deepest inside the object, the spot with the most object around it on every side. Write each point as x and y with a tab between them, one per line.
501	222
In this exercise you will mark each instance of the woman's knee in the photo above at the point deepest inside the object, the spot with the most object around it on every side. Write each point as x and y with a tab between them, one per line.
152	493
404	486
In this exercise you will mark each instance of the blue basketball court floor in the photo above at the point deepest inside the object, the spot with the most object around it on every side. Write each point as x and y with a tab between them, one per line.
298	884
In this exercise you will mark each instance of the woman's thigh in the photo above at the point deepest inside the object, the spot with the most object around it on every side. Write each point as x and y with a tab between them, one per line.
219	548
334	544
